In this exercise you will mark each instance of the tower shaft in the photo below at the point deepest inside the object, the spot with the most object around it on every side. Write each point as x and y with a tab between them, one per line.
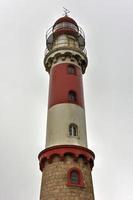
66	162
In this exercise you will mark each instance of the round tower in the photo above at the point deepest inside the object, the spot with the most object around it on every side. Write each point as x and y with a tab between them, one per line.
66	162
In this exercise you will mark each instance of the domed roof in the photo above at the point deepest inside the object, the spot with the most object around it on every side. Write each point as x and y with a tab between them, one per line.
65	19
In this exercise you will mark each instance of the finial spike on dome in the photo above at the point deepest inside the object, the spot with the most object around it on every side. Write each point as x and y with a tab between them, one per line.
66	11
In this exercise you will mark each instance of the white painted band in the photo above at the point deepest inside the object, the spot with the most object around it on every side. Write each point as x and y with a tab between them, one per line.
59	118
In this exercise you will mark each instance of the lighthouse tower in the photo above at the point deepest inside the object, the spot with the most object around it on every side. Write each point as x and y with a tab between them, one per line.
66	162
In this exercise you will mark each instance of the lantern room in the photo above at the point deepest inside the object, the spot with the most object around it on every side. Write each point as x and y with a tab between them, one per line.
65	33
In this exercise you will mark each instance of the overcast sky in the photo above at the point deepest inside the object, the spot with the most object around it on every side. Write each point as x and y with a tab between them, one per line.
108	89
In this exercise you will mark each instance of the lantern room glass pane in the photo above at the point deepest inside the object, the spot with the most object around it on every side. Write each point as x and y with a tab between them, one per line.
67	25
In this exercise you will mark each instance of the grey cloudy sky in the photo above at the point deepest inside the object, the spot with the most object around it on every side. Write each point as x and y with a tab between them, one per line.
108	85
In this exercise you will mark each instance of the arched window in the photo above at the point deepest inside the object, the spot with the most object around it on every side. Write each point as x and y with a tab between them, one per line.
74	177
73	130
71	69
72	96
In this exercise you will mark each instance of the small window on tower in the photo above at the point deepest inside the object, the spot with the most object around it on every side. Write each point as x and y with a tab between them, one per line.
73	130
71	69
72	96
75	178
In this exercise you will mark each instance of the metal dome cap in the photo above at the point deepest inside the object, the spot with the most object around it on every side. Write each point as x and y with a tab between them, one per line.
65	19
65	25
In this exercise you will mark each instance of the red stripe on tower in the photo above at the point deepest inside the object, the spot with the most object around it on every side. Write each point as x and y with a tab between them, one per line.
66	85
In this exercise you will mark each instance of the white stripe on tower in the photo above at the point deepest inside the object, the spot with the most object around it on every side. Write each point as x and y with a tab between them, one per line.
60	118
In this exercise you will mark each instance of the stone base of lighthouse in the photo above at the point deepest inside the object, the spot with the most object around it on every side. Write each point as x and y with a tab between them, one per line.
56	183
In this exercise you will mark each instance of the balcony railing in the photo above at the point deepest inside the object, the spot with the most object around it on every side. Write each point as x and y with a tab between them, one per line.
51	30
79	37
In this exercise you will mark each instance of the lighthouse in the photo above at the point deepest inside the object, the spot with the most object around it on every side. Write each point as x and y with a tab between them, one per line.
66	161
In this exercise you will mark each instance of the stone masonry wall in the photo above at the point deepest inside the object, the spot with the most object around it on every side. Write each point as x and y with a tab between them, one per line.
54	180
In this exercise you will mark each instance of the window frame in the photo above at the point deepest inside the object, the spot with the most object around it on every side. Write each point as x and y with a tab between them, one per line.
69	69
80	182
72	96
73	125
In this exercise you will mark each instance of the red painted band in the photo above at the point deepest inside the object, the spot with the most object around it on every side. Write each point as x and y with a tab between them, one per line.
62	150
62	82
